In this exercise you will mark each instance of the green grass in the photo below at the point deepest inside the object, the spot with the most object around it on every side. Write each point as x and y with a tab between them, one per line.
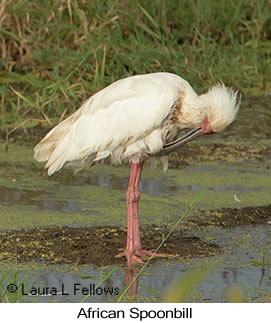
12	287
55	54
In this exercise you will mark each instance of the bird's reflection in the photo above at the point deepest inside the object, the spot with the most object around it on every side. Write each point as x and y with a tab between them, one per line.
131	279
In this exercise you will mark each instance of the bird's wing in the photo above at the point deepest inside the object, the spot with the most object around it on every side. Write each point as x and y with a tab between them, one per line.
128	109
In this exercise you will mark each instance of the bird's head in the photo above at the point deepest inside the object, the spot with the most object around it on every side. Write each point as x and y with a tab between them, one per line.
220	106
209	112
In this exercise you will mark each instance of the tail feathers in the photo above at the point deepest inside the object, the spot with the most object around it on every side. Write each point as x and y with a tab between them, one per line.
54	167
43	151
59	155
48	148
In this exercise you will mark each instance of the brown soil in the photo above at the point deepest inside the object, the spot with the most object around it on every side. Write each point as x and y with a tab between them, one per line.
229	218
96	246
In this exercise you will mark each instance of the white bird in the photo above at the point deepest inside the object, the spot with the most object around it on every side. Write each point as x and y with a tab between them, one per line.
130	121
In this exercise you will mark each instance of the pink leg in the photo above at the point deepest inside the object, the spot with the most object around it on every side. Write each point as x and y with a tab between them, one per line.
132	197
133	250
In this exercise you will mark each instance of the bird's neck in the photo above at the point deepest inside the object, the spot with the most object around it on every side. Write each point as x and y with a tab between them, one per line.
191	112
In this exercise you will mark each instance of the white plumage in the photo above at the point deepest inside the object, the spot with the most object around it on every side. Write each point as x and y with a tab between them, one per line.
130	119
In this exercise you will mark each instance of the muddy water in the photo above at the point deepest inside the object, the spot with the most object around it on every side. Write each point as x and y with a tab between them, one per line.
237	266
236	167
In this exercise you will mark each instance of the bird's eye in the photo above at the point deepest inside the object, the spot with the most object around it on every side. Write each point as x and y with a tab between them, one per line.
207	127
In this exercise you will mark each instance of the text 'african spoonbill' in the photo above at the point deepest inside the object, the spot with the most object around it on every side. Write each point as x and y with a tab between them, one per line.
131	120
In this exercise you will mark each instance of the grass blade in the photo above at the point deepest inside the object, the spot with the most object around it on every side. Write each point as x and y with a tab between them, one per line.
107	276
188	208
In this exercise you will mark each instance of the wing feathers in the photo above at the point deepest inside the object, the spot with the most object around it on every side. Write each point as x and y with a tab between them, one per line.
120	121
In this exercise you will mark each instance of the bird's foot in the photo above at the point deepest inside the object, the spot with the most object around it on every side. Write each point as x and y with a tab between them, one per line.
135	256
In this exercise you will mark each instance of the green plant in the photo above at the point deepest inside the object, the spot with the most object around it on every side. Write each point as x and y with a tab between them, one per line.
55	54
12	287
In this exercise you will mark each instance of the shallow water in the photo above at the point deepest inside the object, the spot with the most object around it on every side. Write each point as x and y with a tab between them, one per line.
30	198
96	197
230	269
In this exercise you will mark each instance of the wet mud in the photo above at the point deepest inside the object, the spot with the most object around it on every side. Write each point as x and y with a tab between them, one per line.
96	246
227	218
